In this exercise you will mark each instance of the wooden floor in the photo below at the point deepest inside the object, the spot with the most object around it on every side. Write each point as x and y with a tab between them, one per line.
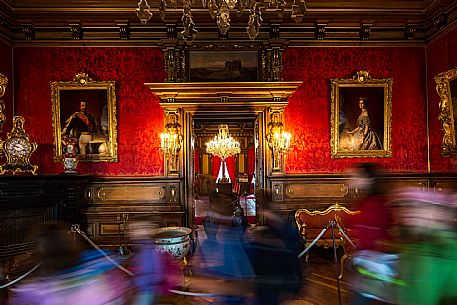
319	282
202	205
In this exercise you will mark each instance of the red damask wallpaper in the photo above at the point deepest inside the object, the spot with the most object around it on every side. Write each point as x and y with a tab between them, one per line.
140	118
139	115
308	112
6	69
441	56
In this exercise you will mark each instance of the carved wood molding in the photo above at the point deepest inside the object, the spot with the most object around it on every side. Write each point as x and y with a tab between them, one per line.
114	202
52	21
335	188
223	94
131	191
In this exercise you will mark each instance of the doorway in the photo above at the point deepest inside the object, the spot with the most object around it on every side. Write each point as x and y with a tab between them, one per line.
242	171
234	101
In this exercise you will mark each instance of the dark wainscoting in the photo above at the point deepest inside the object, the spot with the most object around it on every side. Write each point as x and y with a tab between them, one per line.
292	192
114	202
25	203
102	206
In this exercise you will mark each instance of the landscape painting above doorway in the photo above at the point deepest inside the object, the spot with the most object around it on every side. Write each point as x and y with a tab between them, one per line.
223	66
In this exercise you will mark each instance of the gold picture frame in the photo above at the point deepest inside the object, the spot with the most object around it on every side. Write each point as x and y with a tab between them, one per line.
361	117
446	86
96	128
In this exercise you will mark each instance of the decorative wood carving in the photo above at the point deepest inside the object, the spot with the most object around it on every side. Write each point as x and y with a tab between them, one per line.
240	95
446	84
3	81
115	202
306	190
133	192
98	16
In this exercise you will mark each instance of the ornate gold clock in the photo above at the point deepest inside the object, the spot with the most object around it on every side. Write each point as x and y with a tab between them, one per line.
17	149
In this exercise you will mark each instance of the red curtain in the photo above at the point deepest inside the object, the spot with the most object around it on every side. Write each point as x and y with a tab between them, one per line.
251	162
231	166
196	162
215	165
251	168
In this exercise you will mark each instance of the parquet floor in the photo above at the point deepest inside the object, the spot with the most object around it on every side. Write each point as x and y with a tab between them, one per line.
319	282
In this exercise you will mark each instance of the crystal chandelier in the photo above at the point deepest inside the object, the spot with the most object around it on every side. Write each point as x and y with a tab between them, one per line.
223	145
220	10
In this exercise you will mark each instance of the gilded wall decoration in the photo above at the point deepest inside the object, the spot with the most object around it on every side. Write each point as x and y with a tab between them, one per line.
446	86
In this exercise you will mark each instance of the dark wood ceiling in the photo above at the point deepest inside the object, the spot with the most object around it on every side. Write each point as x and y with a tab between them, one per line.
111	21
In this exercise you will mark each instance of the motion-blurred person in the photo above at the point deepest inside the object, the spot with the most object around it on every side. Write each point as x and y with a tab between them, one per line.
224	270
70	276
428	240
371	231
371	225
274	250
155	272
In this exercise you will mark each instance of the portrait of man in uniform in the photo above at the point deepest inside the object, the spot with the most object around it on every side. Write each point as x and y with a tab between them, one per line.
85	113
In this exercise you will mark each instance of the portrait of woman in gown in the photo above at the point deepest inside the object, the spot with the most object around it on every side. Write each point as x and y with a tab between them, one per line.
361	118
363	136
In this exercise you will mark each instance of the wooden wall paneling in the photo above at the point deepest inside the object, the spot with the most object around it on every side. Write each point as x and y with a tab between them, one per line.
115	202
293	192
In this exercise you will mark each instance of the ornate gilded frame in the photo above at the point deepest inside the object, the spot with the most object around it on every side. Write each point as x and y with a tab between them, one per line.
446	86
100	97
345	110
3	81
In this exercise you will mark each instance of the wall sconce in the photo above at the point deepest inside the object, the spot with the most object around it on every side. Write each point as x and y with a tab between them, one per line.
278	140
170	143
